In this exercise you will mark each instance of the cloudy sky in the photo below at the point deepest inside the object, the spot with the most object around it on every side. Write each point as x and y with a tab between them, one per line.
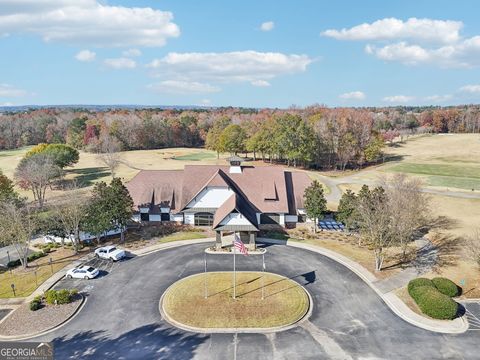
244	53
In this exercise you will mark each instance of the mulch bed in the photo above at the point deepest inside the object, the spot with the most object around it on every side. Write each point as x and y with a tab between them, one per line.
24	321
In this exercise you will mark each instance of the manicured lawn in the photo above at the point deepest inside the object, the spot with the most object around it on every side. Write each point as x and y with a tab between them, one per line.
445	170
206	155
285	301
182	235
24	280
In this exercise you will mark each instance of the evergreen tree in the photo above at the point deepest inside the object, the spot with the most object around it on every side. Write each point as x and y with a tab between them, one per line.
315	202
346	212
121	202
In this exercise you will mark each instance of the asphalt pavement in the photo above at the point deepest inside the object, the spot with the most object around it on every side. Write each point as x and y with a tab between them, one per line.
121	320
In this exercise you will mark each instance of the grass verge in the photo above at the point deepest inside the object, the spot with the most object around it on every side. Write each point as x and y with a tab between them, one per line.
285	301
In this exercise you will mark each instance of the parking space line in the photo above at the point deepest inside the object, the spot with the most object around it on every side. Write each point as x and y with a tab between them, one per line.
473	320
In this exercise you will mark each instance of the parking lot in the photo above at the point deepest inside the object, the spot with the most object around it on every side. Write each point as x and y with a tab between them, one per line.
105	267
472	311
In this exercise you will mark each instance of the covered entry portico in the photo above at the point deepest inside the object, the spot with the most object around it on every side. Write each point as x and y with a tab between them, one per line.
224	236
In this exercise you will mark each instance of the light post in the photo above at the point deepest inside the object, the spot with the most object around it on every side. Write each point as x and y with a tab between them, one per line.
13	289
205	282
51	265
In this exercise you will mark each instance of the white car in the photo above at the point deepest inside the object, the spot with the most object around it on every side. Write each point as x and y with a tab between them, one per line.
84	272
110	253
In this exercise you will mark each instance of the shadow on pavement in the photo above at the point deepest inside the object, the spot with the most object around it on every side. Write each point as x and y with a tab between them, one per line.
147	342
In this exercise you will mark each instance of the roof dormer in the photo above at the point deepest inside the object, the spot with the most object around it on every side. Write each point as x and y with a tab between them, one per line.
235	164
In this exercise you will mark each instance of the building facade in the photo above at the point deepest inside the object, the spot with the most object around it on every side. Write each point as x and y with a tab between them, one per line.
230	199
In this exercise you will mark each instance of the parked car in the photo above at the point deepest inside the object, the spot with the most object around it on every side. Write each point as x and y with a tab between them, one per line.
84	272
110	253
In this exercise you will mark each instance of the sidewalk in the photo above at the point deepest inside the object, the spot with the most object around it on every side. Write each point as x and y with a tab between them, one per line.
456	326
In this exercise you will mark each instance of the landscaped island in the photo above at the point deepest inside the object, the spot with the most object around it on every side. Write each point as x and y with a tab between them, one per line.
285	301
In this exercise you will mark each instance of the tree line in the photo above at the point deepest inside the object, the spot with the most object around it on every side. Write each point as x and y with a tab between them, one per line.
158	128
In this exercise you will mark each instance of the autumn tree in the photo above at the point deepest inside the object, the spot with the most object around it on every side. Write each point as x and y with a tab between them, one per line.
17	227
61	154
36	173
110	154
232	139
315	202
407	206
70	212
212	141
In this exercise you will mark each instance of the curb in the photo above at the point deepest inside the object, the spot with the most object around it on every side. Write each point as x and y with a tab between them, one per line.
154	248
394	303
49	330
269	330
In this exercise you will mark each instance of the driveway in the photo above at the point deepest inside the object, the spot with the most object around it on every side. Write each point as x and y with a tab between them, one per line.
121	319
7	251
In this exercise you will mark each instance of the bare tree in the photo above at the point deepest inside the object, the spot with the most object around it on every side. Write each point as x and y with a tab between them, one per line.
408	208
374	223
110	153
473	246
71	210
37	172
17	226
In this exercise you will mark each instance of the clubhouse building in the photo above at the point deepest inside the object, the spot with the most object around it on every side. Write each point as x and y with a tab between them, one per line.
235	198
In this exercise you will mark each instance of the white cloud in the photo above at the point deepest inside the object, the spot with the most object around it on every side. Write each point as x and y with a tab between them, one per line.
131	53
427	30
85	56
8	91
464	54
260	83
229	67
267	26
438	98
472	89
205	102
396	99
120	63
354	95
7	104
87	22
183	87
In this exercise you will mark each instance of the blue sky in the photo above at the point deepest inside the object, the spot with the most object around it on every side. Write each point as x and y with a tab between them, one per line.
218	53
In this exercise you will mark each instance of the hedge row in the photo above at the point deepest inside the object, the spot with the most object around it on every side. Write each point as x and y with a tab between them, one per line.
433	297
33	256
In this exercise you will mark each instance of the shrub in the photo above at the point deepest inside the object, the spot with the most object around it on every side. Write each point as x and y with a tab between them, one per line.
419	282
446	286
63	296
435	304
35	304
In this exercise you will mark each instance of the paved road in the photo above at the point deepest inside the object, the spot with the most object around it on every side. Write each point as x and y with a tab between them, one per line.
9	250
121	320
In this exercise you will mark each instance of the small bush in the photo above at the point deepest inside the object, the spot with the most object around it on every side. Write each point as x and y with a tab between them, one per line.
35	305
63	296
419	282
435	304
446	286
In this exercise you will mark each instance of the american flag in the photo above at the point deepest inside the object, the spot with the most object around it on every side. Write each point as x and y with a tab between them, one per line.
239	245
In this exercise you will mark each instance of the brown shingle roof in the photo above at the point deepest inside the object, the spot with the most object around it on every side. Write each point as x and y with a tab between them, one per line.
164	187
254	184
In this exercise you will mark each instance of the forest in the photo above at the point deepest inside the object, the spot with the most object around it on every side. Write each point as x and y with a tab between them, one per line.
314	136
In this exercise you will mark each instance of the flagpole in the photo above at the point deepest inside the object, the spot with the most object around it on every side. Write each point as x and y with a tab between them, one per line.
206	290
234	271
263	275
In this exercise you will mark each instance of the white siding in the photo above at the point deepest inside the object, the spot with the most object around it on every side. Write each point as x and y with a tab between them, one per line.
210	198
165	210
301	211
291	218
189	219
282	219
144	210
136	217
176	217
154	217
235	219
258	218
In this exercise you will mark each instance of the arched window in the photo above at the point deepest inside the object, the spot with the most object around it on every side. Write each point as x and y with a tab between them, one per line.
203	219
